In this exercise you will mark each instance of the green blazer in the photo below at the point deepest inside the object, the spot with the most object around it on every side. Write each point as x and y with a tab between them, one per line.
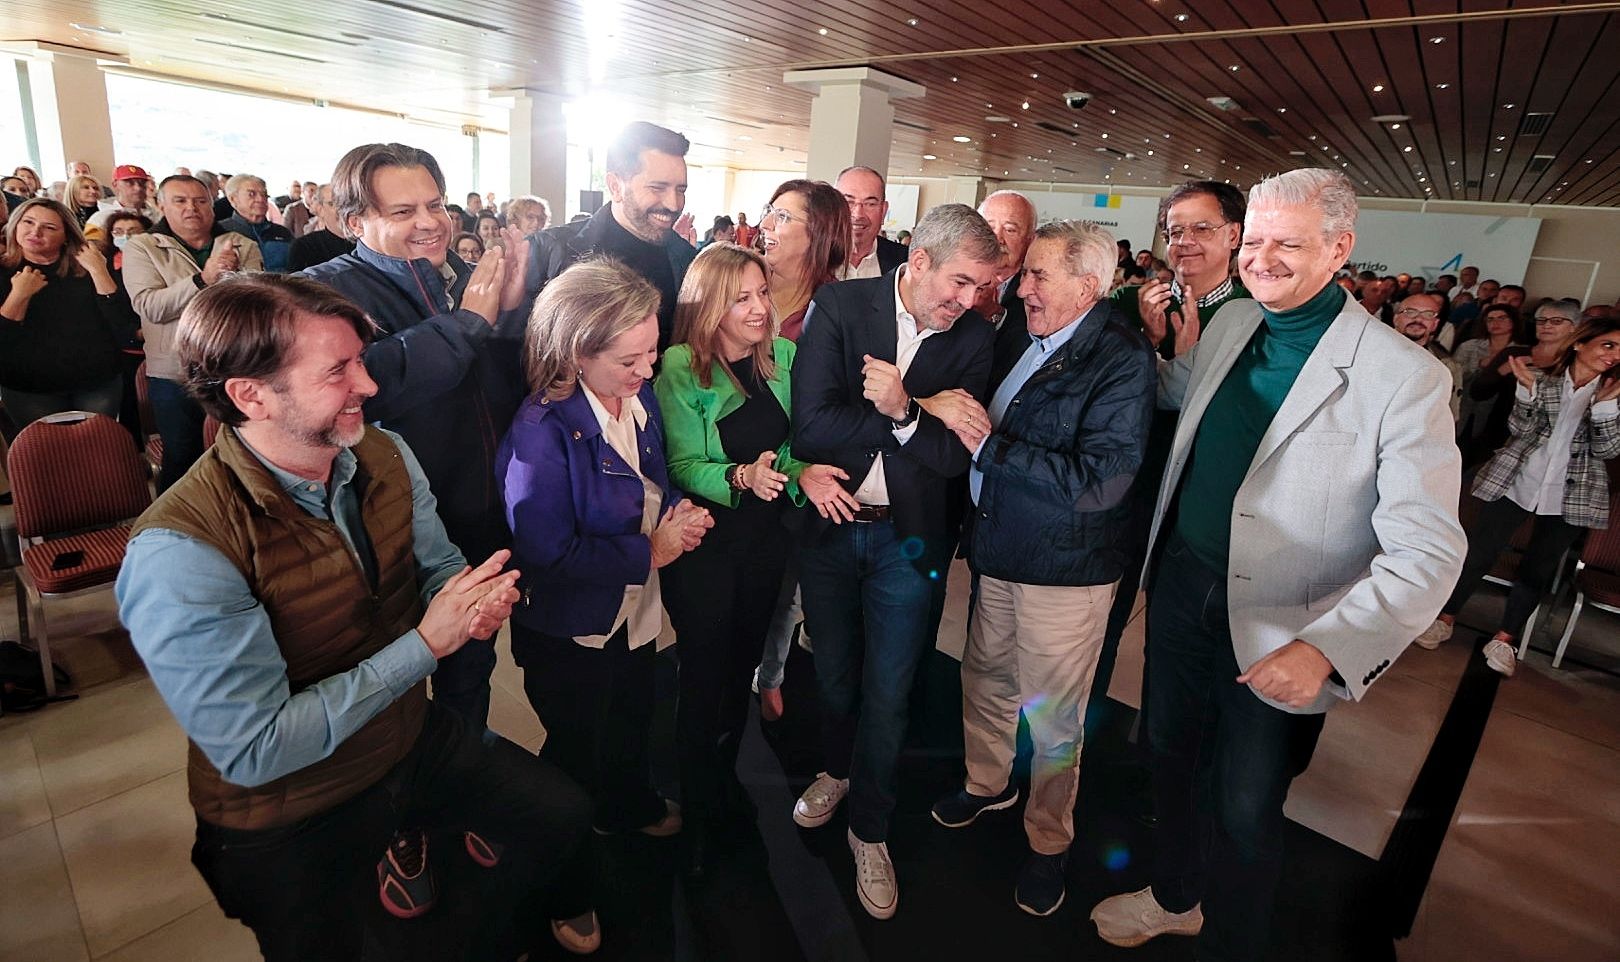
697	460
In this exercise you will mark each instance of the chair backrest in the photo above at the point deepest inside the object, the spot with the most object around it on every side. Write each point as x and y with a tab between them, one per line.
74	471
143	403
1602	548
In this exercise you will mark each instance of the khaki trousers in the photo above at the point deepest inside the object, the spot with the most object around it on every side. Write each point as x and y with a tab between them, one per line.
1032	647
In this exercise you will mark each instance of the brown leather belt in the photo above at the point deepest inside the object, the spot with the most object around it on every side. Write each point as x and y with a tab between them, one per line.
872	512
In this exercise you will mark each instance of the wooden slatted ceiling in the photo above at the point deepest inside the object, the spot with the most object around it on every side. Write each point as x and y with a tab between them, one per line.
714	69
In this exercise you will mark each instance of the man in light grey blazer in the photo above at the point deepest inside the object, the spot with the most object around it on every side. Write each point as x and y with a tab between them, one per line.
1305	533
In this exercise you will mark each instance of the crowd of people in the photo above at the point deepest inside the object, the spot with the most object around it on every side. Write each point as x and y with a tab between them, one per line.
436	419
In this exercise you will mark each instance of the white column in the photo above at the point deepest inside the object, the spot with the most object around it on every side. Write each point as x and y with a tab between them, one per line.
965	190
539	151
67	93
851	118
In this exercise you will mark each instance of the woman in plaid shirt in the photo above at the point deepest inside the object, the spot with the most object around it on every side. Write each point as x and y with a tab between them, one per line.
1565	424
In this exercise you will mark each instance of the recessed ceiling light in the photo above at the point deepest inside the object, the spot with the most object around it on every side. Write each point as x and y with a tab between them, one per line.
1437	39
1024	105
1501	136
912	22
1105	136
1186	166
1378	88
1282	110
962	140
1394	126
1507	106
1406	149
1589	161
1034	76
1312	137
929	157
1234	67
822	31
1441	86
1181	18
953	80
1496	150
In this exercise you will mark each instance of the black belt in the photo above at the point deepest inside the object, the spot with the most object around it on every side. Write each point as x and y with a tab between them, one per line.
872	512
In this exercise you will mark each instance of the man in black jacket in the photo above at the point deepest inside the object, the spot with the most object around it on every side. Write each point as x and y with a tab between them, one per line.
884	366
870	253
1012	216
446	359
1049	483
646	179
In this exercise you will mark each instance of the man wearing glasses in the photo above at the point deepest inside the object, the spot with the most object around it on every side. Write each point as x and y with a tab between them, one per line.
1417	319
870	255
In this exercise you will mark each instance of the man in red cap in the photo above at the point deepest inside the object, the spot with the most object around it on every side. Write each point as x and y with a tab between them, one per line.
131	188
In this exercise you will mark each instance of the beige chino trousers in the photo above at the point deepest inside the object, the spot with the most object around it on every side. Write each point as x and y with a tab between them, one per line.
1032	648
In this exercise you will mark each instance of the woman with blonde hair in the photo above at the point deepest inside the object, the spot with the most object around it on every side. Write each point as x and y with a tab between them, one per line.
594	519
63	318
529	214
83	197
725	392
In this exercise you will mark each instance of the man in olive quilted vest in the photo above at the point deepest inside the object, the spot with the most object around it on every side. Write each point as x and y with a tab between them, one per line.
290	596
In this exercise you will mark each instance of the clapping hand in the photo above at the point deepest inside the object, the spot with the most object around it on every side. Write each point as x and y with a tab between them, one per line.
1186	321
472	604
1152	299
222	261
680	530
1522	371
485	289
515	245
759	477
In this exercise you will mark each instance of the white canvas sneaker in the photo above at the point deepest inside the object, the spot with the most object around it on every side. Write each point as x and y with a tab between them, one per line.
1130	920
820	800
874	877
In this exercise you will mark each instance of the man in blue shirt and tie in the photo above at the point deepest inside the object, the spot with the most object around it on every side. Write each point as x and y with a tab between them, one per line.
1065	434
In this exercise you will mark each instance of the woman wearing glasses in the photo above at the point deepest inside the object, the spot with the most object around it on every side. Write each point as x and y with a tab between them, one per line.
725	392
1493	386
1565	424
804	234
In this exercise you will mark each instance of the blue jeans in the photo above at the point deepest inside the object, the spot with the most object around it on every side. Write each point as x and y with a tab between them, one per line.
26	407
1222	763
869	610
180	424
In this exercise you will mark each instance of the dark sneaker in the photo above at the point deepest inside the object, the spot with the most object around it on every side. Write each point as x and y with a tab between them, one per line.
1040	883
482	850
961	807
403	881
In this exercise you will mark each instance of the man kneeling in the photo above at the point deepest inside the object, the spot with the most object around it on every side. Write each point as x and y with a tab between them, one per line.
290	596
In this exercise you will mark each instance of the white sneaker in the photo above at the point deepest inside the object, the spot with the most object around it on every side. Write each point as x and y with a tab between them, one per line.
1434	635
820	800
874	877
581	935
1501	656
1130	920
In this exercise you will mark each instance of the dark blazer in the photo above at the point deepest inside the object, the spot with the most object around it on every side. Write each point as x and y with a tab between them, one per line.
1052	509
447	382
891	254
834	424
1012	337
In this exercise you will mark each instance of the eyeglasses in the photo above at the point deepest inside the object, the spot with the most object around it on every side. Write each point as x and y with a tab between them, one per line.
781	214
1553	321
1414	312
869	204
1200	232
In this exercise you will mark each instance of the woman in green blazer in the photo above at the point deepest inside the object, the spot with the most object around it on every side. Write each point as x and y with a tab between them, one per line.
724	392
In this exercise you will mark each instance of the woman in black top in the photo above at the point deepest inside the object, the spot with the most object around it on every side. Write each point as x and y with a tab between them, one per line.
83	197
725	394
63	318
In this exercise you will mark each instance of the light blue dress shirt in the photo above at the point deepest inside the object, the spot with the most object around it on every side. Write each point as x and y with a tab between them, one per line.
209	647
1037	354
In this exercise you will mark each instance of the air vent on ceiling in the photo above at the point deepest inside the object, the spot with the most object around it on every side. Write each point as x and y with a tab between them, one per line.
734	123
1111	152
1224	103
1052	128
914	126
1471	184
1534	125
1539	163
1062	170
1260	127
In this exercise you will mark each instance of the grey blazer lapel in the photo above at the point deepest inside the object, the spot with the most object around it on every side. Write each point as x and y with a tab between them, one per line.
1321	376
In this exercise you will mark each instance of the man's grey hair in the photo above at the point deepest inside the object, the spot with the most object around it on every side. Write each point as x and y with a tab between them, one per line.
208	179
952	229
1567	309
1087	249
883	182
238	181
1328	191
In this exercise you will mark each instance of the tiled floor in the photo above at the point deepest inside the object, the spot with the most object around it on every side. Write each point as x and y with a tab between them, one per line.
95	829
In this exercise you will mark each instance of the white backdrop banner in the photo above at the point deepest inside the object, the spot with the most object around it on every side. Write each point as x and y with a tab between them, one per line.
1127	218
1394	242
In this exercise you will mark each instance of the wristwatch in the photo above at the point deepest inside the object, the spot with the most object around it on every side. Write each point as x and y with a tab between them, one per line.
912	410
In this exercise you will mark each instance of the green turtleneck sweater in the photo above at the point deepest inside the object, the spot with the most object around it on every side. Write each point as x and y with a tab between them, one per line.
1238	416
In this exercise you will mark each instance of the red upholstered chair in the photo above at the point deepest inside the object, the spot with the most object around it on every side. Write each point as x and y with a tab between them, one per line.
1597	576
154	440
76	483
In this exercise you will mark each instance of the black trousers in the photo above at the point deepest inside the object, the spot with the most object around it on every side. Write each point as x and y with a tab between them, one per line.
597	706
1222	763
720	597
1493	528
303	888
